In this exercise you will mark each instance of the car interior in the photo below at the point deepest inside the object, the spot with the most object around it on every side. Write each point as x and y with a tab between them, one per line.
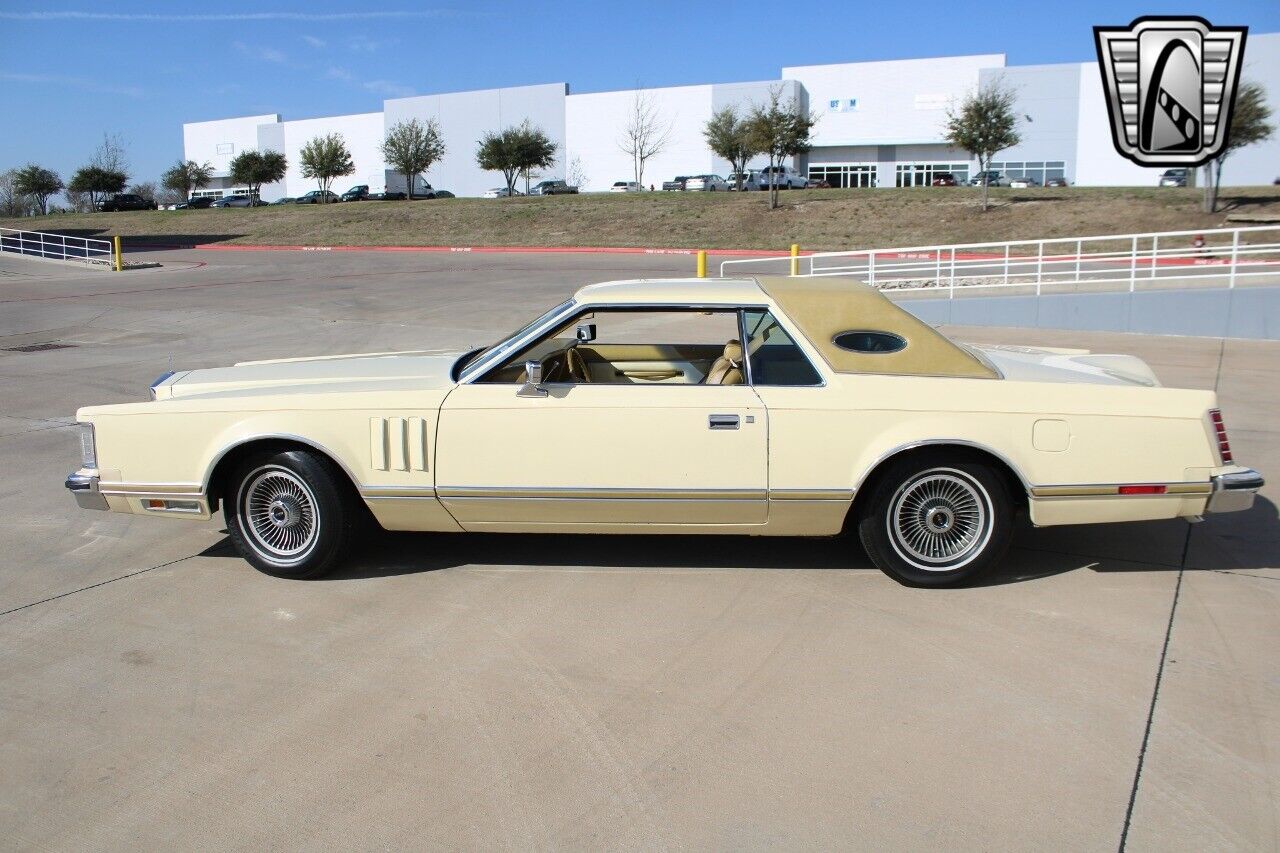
678	346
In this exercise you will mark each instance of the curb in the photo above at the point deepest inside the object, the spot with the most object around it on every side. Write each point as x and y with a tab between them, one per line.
606	250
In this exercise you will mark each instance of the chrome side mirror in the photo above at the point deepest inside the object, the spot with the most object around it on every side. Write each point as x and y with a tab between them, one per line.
532	386
586	333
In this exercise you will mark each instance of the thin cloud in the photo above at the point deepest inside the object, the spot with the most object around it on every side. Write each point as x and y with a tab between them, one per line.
337	73
73	83
266	54
233	16
364	44
388	88
314	42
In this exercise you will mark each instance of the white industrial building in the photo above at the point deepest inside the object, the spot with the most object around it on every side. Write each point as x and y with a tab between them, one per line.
880	125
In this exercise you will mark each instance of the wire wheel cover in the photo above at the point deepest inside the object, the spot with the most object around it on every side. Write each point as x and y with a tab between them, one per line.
280	514
940	519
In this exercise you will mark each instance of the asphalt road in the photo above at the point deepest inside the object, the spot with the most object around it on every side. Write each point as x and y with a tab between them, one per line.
1110	686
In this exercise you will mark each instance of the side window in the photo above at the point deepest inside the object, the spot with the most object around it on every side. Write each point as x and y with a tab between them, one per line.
775	357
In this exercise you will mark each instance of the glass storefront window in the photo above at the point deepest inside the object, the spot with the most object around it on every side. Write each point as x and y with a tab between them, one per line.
845	175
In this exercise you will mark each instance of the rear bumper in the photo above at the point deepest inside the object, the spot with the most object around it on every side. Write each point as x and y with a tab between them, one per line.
1234	491
85	489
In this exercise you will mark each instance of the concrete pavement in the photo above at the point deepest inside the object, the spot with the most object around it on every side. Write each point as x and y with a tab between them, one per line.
596	692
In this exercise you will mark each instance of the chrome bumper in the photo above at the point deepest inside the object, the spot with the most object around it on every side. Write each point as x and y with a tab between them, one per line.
1235	491
85	488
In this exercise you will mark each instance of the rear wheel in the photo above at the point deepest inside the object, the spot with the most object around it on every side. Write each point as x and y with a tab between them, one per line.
287	514
934	521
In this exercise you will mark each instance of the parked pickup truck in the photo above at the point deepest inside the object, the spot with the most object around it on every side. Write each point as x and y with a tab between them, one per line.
676	184
125	201
553	188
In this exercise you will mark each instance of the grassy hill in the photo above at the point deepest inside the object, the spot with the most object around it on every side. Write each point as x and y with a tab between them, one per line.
816	219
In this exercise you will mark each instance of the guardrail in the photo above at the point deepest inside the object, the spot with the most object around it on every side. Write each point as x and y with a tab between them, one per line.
1131	260
58	247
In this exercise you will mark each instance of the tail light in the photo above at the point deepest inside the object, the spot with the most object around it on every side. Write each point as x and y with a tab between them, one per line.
1220	436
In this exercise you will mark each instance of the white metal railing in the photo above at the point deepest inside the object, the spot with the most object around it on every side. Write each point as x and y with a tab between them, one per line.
1158	258
57	247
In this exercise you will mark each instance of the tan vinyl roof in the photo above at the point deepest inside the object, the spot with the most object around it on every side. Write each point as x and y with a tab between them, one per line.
823	307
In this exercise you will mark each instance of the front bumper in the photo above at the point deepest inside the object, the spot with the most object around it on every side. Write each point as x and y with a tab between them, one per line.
1234	491
85	489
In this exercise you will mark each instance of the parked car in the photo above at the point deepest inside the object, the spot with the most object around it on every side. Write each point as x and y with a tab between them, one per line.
817	184
199	203
238	201
944	179
318	197
288	199
929	449
360	192
1057	182
676	184
394	195
1023	183
500	192
783	177
125	201
706	183
553	188
625	187
990	178
750	181
1173	178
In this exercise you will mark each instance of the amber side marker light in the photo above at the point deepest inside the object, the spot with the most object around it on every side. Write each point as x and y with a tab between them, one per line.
1143	490
1220	434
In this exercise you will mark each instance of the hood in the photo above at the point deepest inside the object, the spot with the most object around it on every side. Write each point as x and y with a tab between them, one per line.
1053	364
422	370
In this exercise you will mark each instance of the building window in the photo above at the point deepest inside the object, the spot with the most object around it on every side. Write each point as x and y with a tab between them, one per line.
845	175
1041	171
225	149
923	174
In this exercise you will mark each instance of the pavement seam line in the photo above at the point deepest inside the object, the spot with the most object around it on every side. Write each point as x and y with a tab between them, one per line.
96	585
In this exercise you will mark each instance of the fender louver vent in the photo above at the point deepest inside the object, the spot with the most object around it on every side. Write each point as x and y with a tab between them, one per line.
37	347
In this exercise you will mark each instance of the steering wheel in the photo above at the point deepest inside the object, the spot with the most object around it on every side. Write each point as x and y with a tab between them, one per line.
577	366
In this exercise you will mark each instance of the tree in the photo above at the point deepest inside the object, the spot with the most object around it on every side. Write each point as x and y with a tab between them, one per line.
728	136
646	135
412	147
779	130
96	182
255	168
984	124
514	151
12	202
110	156
37	183
577	174
325	158
1250	124
184	177
146	189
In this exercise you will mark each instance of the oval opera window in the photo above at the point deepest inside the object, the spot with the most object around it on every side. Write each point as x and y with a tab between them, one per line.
869	342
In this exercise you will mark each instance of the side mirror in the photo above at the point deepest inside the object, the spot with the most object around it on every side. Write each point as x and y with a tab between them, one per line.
586	333
532	386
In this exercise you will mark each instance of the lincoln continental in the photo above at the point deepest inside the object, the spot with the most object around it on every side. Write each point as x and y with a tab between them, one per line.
759	406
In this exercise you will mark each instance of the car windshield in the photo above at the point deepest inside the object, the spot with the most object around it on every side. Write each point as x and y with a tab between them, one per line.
504	344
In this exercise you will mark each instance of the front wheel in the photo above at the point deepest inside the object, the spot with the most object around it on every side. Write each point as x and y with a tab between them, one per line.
932	521
287	514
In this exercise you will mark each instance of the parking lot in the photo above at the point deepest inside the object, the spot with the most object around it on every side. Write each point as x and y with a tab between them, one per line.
518	692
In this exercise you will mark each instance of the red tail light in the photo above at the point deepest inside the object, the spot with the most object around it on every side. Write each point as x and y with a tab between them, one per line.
1220	436
1143	490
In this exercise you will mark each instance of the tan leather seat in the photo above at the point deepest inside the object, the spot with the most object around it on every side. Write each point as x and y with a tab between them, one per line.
727	369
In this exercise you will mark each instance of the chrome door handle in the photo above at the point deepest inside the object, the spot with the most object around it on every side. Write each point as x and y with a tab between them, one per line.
722	422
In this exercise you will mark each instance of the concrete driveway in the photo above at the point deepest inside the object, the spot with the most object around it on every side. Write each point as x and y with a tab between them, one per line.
1110	687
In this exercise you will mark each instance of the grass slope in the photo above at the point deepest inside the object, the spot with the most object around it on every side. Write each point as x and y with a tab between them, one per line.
816	219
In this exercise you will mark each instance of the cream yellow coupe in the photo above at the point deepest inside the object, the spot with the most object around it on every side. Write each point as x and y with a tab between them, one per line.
759	406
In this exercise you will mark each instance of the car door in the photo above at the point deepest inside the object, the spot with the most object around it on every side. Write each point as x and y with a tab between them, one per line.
621	453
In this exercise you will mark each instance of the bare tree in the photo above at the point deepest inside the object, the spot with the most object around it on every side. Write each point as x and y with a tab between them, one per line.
1250	124
111	156
577	174
646	134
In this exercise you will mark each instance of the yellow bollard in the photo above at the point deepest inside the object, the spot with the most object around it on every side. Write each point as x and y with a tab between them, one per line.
702	264
795	259
119	259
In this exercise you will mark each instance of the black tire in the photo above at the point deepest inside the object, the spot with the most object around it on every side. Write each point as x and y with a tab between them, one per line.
303	520
933	520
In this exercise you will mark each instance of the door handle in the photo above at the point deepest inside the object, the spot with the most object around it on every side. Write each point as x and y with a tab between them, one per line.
722	422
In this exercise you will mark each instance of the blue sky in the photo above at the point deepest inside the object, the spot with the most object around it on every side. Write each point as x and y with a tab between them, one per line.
141	69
